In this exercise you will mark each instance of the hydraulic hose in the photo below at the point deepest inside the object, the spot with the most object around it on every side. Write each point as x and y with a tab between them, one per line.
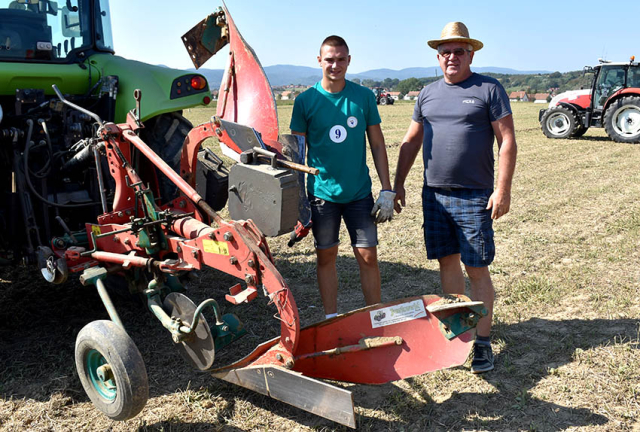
28	177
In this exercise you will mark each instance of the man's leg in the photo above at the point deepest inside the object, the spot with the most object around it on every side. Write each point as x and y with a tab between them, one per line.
364	240
475	233
326	218
482	290
451	276
367	258
328	278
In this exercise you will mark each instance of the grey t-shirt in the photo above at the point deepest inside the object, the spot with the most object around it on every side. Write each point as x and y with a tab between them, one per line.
458	137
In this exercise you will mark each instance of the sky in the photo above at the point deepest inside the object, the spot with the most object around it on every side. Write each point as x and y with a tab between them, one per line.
560	35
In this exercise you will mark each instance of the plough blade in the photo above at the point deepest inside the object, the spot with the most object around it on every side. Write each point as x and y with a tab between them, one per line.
295	389
373	345
389	342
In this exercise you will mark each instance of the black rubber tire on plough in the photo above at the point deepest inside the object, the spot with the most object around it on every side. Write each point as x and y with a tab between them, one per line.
121	391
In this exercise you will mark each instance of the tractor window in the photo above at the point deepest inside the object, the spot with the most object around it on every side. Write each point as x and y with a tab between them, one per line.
633	79
42	30
104	39
610	80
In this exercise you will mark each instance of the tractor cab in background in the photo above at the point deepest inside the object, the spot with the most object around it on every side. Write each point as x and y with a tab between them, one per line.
612	102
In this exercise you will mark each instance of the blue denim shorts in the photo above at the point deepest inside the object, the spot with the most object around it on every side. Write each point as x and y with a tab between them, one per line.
457	221
326	217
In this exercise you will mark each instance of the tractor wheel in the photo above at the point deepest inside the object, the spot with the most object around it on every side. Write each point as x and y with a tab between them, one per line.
391	101
622	120
383	101
558	122
579	131
165	135
111	370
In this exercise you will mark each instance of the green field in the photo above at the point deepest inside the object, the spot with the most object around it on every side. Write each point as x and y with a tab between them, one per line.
566	329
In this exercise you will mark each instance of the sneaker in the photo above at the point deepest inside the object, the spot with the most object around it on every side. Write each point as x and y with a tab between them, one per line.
482	358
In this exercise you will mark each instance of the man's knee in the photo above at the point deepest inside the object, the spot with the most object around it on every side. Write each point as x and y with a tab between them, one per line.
449	261
327	256
478	273
367	257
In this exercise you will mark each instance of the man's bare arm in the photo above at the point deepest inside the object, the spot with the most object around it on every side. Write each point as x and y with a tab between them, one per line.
379	153
409	149
500	200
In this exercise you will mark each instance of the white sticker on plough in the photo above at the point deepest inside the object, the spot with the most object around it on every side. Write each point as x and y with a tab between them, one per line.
398	313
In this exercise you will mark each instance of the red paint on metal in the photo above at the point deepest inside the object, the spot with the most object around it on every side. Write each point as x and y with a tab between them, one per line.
624	91
583	101
246	94
424	348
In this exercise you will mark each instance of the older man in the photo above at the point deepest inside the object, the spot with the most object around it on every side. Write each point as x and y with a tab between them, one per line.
455	121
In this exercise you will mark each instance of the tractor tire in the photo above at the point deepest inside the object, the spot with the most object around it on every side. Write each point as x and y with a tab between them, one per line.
391	101
111	370
579	131
165	135
558	123
383	101
622	120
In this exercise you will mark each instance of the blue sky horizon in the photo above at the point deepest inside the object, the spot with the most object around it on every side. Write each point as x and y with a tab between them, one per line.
542	35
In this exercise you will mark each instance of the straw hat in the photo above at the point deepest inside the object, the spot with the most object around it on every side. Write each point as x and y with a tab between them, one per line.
455	32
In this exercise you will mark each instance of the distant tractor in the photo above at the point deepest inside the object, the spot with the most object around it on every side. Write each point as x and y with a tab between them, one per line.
382	96
613	102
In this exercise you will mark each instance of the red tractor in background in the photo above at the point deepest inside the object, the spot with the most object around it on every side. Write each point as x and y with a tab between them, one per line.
613	102
382	96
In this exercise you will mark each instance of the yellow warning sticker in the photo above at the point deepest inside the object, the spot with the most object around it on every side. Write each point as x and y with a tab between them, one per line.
215	247
96	229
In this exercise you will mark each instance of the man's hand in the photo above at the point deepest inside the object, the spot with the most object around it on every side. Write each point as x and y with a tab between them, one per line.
399	199
383	208
299	232
499	203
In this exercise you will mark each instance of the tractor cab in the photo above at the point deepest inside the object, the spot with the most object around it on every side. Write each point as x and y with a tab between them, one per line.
610	78
53	32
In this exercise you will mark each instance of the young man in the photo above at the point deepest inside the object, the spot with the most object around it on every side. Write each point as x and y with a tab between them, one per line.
335	115
455	121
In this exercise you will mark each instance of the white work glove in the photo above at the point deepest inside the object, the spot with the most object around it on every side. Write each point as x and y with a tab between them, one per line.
383	208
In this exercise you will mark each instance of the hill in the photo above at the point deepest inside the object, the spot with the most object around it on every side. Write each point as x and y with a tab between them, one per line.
282	75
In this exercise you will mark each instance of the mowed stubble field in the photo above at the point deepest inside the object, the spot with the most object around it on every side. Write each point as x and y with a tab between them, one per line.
566	329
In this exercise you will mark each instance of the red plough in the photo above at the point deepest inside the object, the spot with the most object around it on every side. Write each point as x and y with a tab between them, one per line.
153	244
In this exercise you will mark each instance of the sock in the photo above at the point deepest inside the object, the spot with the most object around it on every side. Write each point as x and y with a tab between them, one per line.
327	316
483	340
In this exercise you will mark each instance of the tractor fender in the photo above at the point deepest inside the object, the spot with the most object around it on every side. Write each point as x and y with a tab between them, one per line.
620	93
576	108
69	78
157	83
581	98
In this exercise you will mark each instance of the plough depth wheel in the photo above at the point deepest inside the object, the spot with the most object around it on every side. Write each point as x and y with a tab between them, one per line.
111	370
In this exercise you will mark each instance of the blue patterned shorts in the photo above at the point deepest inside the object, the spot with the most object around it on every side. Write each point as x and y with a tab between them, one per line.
457	221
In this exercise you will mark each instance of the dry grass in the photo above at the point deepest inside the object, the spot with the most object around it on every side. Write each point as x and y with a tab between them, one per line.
566	325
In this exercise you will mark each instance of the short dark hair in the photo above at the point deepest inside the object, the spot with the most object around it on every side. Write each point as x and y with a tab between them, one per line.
334	41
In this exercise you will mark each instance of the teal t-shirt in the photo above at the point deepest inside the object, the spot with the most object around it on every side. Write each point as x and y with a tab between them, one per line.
335	125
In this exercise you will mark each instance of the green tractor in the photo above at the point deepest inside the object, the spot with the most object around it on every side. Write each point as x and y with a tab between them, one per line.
47	174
